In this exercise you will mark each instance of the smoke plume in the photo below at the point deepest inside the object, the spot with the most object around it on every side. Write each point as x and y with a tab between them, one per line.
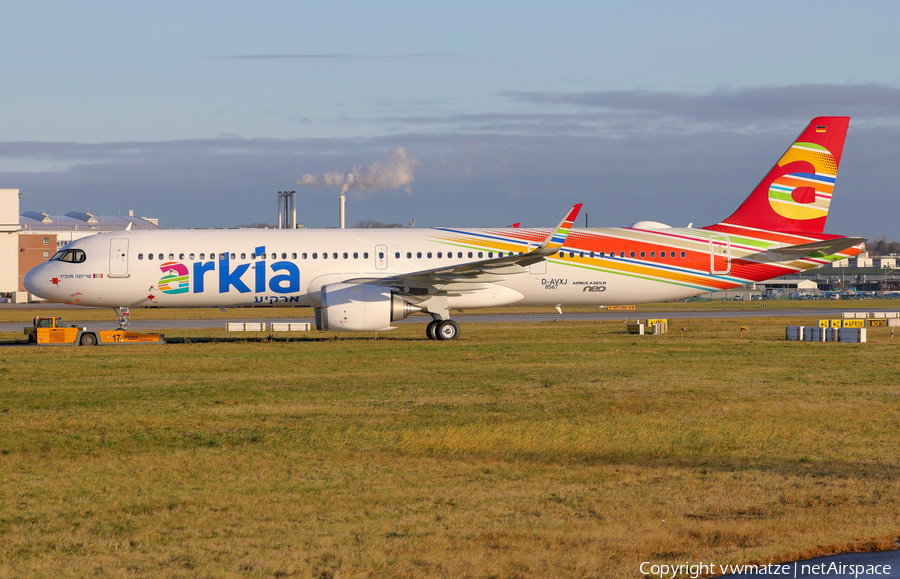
395	172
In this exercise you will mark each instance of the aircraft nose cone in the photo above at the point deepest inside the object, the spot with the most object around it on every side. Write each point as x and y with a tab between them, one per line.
36	283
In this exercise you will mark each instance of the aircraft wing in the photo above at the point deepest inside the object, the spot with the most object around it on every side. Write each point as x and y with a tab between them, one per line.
828	246
474	275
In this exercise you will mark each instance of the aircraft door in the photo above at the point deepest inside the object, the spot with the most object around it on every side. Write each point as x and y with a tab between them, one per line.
118	257
381	257
719	253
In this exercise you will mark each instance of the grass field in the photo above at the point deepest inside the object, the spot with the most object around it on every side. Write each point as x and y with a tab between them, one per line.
547	450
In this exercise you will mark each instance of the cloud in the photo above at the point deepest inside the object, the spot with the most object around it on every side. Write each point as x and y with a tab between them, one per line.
335	56
735	105
624	165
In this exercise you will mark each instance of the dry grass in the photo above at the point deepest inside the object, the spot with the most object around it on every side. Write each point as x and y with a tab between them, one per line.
553	450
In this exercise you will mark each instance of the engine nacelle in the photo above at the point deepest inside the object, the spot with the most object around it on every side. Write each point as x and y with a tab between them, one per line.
353	307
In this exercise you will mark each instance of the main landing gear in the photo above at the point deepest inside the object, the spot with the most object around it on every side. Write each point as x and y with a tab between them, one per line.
442	330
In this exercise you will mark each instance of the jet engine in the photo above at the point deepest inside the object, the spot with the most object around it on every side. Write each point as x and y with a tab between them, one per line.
364	307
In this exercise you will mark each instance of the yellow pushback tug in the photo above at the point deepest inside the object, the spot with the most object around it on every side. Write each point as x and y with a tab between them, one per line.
49	331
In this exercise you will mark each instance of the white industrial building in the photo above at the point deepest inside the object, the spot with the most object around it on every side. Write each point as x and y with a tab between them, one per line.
75	224
9	240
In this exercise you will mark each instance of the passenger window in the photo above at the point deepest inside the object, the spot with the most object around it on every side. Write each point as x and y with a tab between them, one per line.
191	257
470	254
643	254
334	255
253	255
160	256
408	255
324	255
303	255
355	255
381	255
632	254
652	254
232	256
202	256
315	255
365	255
149	256
602	254
397	255
571	254
490	254
440	255
140	256
562	254
682	254
592	254
294	255
274	256
171	256
480	254
418	255
671	254
581	254
459	254
621	254
243	256
429	255
223	255
449	255
180	256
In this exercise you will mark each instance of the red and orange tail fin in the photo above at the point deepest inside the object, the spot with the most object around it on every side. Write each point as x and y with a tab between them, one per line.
796	193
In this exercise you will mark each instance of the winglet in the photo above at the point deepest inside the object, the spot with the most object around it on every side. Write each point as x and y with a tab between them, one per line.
558	236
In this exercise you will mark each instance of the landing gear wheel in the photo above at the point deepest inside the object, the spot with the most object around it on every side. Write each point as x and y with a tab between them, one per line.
431	330
448	330
88	340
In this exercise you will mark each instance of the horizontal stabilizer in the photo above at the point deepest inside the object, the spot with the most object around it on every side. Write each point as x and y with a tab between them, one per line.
827	246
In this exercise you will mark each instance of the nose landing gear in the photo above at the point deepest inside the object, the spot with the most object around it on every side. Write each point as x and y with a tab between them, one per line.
124	315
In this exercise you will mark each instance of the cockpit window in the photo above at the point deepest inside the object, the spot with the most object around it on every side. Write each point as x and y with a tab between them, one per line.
69	255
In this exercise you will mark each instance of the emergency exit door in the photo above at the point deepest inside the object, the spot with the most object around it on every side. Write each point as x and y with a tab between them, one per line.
719	254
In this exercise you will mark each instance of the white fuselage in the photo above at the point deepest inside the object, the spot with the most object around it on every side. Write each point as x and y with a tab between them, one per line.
235	268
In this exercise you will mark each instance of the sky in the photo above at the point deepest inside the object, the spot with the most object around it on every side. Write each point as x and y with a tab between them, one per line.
198	113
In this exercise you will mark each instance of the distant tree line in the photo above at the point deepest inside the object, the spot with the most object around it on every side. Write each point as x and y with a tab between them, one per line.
882	246
373	224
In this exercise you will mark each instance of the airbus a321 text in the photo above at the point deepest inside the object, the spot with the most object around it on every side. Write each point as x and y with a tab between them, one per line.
365	279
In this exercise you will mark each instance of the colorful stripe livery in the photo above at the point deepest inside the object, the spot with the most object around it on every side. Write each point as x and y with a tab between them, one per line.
796	193
675	256
562	230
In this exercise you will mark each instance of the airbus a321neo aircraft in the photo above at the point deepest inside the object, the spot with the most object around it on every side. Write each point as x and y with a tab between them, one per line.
366	279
